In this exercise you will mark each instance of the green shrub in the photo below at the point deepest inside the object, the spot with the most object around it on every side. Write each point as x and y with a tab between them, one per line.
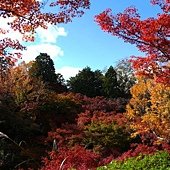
159	161
108	135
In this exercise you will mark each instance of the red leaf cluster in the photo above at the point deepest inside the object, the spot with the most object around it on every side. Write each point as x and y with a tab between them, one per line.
150	36
77	157
68	137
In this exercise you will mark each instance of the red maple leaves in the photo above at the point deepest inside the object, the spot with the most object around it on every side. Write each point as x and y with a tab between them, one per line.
150	36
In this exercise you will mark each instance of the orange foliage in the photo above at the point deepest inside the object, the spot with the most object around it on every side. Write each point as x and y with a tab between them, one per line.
149	109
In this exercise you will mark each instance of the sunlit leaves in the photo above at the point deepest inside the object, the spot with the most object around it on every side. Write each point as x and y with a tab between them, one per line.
149	109
150	36
164	4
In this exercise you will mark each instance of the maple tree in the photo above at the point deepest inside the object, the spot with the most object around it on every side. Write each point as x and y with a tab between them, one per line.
26	16
88	132
148	109
75	158
150	36
139	148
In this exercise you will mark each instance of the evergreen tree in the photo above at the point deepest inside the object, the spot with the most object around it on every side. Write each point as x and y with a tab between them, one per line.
43	68
86	82
110	85
99	79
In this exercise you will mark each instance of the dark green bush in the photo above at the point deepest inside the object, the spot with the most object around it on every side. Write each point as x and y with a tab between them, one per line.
108	135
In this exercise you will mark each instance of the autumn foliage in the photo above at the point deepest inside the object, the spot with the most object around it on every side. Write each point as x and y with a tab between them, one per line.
43	128
75	158
69	130
150	36
149	109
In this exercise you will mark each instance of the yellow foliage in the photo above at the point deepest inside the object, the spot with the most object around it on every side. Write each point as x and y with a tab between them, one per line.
149	108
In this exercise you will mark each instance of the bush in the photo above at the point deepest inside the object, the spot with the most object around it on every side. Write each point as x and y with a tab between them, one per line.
110	136
75	158
158	161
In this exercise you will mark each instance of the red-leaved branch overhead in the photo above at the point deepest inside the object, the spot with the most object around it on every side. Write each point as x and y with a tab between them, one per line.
26	16
151	36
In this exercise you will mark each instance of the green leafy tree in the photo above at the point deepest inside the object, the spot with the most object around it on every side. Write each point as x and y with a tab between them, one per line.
86	82
110	85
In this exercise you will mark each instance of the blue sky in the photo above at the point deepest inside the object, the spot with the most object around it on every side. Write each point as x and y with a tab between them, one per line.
87	45
82	43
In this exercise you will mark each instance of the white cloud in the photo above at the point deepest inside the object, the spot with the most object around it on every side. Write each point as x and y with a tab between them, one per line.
51	34
68	71
11	33
33	51
45	42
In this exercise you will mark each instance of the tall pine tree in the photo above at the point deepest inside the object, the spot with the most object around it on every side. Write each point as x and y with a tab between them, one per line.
110	85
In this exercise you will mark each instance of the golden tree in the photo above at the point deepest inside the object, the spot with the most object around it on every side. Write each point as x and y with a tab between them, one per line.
149	108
